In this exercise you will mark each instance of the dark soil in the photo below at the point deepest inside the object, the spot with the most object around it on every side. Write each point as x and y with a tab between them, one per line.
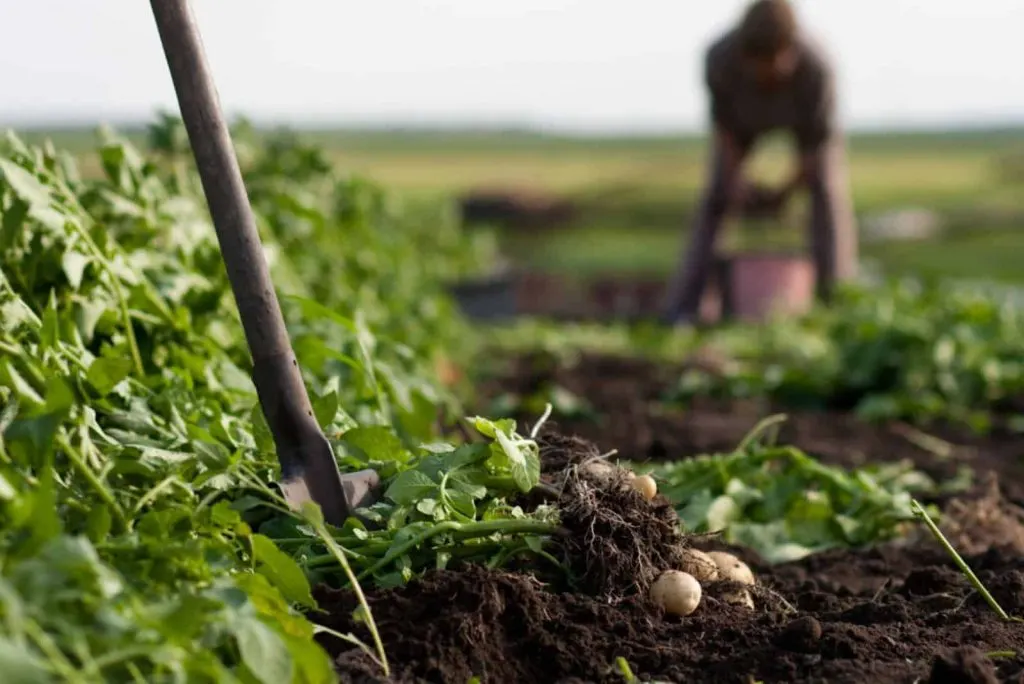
898	613
894	614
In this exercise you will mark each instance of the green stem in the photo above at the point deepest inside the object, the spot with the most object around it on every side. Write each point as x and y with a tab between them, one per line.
56	657
166	483
331	559
370	623
349	639
462	531
90	477
120	656
760	429
960	563
118	292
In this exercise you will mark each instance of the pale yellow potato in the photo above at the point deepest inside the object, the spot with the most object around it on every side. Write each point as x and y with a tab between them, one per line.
731	568
678	593
646	485
700	565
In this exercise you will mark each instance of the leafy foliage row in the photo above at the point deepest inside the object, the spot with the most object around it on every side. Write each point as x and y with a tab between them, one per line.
135	516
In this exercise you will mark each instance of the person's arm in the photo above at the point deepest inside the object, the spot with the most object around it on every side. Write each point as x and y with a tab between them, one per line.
817	125
722	120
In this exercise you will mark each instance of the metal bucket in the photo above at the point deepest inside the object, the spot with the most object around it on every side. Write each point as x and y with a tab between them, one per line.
758	285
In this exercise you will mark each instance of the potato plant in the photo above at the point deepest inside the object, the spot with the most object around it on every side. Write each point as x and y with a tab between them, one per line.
139	537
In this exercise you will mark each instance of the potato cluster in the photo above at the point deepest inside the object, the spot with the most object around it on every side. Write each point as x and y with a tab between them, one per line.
679	592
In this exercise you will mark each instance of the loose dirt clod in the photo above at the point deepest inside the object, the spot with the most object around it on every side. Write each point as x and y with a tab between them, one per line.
801	635
618	541
967	665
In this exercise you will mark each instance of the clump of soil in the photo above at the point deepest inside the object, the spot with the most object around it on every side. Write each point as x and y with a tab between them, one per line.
618	541
967	665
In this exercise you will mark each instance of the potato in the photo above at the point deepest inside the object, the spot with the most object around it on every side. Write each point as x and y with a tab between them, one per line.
700	565
676	592
731	568
646	485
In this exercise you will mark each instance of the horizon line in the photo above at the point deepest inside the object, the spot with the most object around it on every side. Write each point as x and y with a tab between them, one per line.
454	125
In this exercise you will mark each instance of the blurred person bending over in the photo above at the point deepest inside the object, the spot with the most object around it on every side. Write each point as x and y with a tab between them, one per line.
762	76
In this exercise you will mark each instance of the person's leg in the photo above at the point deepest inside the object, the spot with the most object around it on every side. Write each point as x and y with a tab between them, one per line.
833	229
686	288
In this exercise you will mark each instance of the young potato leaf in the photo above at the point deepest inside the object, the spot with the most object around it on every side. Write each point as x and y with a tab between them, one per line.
525	467
409	487
490	428
283	572
376	442
263	651
13	221
74	265
26	186
261	431
106	372
325	409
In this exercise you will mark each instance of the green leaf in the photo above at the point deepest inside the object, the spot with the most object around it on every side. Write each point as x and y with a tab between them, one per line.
376	442
26	186
7	490
462	503
13	221
98	523
409	487
20	666
326	408
489	428
427	507
36	434
261	430
106	372
59	397
23	389
74	265
314	665
263	651
460	482
87	317
525	468
722	511
282	571
49	334
467	455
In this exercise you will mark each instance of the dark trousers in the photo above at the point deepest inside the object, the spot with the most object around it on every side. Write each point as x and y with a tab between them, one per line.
831	227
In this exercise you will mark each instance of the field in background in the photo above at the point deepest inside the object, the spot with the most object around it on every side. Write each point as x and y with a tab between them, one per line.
636	194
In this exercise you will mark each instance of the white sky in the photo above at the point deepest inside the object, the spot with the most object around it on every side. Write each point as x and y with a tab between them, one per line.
575	63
